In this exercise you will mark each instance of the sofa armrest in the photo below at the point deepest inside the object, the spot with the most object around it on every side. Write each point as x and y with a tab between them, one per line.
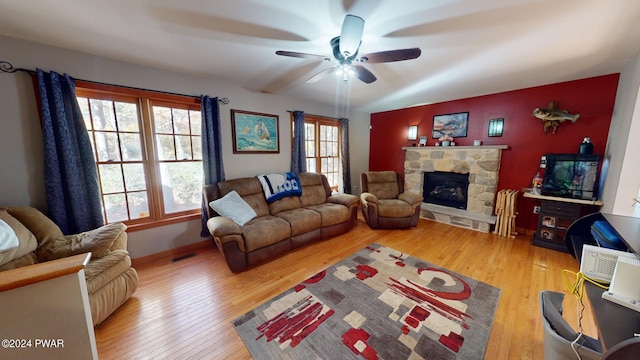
221	226
97	241
120	242
229	239
225	230
411	198
368	198
347	200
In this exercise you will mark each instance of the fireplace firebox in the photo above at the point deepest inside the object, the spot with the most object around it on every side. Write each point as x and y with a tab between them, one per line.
446	189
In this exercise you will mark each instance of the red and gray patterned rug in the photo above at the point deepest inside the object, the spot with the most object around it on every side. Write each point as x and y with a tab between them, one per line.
377	304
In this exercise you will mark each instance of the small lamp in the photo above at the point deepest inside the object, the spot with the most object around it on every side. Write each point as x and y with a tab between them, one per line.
495	127
412	134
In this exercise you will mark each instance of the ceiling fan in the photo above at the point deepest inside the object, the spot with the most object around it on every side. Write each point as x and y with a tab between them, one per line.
345	51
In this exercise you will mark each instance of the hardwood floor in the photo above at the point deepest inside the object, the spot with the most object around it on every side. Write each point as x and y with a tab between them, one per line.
184	309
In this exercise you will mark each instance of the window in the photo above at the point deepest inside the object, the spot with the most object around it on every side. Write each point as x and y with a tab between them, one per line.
148	153
322	147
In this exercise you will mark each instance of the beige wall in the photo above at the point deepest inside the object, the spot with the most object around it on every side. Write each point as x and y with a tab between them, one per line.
21	178
623	178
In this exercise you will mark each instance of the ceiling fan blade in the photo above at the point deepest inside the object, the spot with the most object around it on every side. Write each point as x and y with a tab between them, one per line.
363	74
351	35
302	55
323	74
391	55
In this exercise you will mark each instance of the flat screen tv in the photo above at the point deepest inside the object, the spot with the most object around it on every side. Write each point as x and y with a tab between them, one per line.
571	176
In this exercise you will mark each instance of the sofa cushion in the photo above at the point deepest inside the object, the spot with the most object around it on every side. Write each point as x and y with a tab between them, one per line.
43	228
100	272
26	260
383	184
264	231
108	298
26	240
394	208
97	241
301	220
285	204
313	189
331	214
410	198
234	207
250	190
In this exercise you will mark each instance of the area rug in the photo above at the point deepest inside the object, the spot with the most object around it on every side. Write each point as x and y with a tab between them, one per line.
378	303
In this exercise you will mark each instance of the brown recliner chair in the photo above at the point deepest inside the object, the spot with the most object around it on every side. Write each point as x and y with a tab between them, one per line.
385	204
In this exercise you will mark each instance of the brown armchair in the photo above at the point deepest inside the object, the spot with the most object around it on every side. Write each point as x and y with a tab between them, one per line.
110	278
385	204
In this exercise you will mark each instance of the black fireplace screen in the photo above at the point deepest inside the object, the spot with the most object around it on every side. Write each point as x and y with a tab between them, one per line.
446	189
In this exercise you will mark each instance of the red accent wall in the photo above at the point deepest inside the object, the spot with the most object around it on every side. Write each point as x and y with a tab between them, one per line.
592	98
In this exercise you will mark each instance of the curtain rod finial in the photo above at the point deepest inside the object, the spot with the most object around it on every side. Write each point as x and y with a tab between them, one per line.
6	66
224	100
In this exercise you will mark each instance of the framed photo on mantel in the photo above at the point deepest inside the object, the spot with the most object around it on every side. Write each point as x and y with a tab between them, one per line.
454	125
254	133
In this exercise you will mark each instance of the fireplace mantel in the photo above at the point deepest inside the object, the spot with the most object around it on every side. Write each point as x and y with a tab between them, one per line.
482	163
501	147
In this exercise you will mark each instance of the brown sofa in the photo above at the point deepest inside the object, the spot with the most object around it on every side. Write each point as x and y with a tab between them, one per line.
385	204
279	226
110	278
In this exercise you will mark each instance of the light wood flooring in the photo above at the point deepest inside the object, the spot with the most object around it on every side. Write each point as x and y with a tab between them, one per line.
184	309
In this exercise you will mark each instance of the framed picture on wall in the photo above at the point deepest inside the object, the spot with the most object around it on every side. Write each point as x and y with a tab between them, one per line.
254	133
454	125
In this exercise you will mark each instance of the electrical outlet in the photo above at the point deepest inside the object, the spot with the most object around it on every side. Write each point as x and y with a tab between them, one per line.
536	209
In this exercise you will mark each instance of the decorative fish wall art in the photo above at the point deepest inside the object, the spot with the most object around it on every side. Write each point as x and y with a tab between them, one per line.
552	117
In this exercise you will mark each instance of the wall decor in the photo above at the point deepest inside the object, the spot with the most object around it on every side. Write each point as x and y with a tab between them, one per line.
496	127
552	117
412	132
254	132
454	125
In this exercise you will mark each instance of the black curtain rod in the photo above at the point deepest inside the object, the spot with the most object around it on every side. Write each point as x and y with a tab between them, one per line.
7	67
322	116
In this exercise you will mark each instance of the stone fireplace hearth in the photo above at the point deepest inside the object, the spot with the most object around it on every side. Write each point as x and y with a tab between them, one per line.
481	163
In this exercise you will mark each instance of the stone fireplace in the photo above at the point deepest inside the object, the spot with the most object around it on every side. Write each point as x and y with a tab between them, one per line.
446	189
480	163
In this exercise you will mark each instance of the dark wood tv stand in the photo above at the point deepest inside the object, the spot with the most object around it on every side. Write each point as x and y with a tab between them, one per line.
556	216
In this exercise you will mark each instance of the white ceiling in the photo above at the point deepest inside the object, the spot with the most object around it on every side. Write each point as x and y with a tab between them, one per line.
469	48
